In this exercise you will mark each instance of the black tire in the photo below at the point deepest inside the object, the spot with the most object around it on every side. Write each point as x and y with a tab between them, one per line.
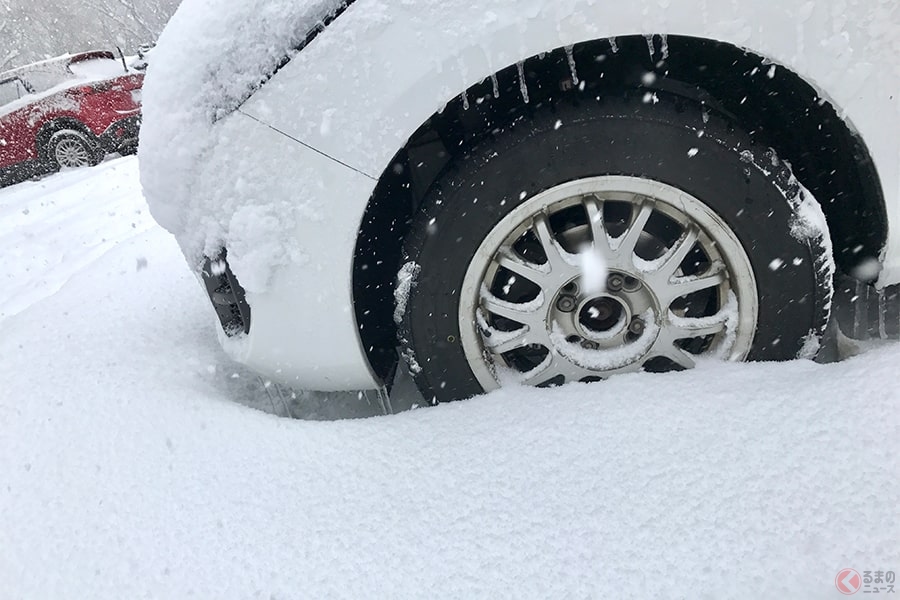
746	185
74	140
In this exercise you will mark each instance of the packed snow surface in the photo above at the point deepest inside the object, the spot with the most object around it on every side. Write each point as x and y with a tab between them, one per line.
133	467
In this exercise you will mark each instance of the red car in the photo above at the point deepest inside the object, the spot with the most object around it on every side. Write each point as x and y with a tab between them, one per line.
67	112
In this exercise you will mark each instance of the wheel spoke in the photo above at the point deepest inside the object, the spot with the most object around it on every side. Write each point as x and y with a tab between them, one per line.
545	371
501	342
670	261
628	242
677	355
594	208
554	252
684	286
526	314
531	271
693	327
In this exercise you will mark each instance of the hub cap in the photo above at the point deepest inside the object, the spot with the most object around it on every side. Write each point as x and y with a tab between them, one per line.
602	276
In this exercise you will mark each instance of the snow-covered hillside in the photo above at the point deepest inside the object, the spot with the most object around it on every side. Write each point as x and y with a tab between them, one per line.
134	466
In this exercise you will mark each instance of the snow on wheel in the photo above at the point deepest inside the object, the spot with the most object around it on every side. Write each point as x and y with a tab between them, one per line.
638	237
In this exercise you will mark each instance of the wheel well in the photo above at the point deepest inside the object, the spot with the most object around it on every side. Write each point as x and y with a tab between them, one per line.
773	104
49	128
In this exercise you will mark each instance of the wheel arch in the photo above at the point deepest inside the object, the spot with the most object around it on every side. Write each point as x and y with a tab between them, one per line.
49	128
771	102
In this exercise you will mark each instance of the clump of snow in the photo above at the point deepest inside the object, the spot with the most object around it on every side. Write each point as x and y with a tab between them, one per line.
811	345
210	58
409	357
253	251
406	279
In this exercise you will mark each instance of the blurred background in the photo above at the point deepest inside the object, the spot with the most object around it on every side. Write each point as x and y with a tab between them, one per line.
32	30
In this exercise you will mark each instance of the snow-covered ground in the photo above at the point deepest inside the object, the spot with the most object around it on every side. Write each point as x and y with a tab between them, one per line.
134	466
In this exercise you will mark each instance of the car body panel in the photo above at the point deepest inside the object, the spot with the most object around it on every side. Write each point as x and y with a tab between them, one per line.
354	95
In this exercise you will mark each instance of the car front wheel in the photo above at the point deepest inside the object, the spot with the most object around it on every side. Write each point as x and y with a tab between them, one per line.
610	238
71	149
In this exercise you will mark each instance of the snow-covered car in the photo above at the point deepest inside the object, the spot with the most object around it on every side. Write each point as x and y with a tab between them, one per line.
525	191
67	112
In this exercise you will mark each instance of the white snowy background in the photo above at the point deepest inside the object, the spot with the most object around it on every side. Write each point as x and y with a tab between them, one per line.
136	462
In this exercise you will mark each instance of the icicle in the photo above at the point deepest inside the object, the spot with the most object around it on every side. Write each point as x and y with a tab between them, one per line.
570	54
523	85
613	46
664	45
465	99
496	85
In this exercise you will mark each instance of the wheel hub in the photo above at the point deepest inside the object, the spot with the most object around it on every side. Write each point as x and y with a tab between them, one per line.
606	320
602	315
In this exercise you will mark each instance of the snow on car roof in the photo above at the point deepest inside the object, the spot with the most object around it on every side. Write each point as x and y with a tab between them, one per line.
57	64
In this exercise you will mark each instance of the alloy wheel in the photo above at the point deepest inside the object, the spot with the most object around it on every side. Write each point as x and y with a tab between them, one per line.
601	276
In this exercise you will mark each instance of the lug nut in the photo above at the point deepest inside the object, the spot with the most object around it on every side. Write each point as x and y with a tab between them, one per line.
632	284
566	303
615	282
588	345
571	288
636	326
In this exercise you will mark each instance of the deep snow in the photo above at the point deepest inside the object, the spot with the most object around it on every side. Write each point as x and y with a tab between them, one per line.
131	469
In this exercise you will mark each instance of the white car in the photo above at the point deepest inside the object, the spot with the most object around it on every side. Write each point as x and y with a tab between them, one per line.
525	191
